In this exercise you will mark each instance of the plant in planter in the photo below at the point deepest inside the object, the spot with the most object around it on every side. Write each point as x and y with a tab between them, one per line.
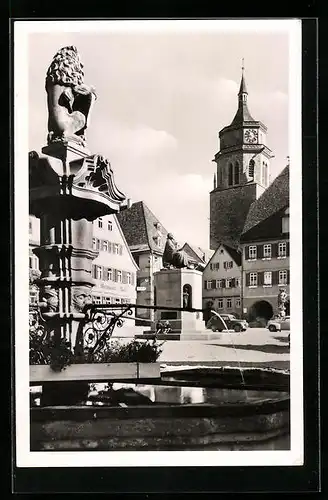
131	352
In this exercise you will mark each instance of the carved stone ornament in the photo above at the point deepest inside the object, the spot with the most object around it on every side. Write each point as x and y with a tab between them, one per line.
69	99
49	300
81	296
88	192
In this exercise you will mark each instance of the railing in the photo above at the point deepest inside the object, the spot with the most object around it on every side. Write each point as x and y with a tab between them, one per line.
93	331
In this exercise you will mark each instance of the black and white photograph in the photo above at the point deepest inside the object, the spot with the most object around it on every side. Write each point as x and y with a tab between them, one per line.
158	243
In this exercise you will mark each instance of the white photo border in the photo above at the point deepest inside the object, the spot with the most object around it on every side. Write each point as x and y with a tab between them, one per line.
26	458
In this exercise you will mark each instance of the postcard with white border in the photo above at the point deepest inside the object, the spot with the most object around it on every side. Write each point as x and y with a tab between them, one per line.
158	243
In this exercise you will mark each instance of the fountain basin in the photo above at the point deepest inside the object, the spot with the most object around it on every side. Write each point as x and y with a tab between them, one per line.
167	418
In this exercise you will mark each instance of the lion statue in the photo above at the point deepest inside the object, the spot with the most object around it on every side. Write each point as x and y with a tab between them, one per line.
69	99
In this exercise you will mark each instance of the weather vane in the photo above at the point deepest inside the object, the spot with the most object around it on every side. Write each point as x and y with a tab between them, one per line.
242	65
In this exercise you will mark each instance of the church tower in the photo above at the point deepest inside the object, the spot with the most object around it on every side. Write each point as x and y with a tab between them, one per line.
242	173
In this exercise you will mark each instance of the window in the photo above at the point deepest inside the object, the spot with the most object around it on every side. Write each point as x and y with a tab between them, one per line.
230	174
282	249
285	225
220	303
96	299
264	174
218	283
252	279
208	285
99	273
110	274
107	300
282	277
215	266
251	167
116	248
128	278
229	303
252	252
105	246
100	223
267	278
236	172
158	241
267	251
237	282
228	283
117	300
110	225
95	243
119	276
238	303
120	249
228	264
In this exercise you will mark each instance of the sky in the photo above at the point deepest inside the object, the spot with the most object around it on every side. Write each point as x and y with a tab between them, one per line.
162	99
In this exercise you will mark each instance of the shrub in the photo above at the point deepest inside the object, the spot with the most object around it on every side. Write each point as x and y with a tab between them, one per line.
58	354
132	352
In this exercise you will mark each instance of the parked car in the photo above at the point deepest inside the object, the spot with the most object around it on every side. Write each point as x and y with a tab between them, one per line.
229	322
278	324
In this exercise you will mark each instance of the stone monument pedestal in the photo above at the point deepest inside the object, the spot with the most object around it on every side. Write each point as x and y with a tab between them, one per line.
181	288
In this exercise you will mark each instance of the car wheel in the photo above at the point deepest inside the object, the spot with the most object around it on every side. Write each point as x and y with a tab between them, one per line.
272	328
237	328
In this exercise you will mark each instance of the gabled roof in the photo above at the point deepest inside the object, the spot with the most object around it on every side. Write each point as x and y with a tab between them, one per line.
274	199
141	227
124	239
200	254
234	254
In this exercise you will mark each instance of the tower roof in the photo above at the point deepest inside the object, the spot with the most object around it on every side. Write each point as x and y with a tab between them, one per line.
242	88
243	114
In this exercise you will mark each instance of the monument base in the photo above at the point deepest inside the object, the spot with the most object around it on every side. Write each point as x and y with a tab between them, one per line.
181	289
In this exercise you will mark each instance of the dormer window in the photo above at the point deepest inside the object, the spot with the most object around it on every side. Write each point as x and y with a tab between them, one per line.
158	241
157	225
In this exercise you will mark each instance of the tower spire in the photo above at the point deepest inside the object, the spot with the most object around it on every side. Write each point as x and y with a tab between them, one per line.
242	88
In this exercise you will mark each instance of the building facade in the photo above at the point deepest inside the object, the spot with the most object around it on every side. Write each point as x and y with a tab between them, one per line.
265	247
114	269
34	241
222	281
146	238
242	173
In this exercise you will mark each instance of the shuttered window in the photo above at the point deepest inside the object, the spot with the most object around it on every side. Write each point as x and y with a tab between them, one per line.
260	278
267	278
252	279
252	252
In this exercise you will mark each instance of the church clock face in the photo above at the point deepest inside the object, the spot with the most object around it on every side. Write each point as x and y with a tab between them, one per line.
251	135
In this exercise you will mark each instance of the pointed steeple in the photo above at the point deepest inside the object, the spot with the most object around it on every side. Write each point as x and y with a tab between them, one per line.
242	88
243	114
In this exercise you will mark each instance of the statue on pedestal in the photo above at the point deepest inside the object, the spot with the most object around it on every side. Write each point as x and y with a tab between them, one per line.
69	98
174	257
282	299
